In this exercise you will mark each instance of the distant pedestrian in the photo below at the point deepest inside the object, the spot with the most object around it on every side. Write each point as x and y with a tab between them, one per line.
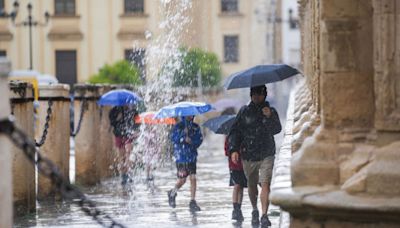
186	138
125	131
252	137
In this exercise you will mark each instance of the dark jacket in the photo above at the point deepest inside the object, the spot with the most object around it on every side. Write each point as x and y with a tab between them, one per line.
184	152
123	121
253	133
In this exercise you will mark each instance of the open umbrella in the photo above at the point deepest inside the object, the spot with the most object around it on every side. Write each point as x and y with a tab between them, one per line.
259	75
221	124
225	103
119	97
183	108
148	118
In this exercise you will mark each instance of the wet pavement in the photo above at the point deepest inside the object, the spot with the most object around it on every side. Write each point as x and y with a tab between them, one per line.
145	204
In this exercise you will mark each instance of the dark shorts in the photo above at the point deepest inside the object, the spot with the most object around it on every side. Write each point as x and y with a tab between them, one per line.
185	169
238	177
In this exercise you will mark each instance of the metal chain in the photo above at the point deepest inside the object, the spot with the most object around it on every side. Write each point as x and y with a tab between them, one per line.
20	89
12	108
46	125
50	170
84	106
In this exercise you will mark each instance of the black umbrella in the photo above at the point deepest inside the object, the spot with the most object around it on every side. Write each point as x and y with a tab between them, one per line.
221	124
260	75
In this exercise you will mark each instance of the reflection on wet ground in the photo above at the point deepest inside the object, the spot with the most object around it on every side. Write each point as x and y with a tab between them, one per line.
145	204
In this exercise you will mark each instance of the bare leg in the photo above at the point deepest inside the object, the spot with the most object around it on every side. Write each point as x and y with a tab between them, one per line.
264	197
240	195
126	162
253	192
179	183
193	186
237	195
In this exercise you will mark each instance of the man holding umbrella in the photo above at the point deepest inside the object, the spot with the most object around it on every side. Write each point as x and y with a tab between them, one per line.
252	135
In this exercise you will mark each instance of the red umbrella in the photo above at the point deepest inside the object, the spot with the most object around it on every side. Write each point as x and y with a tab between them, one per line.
148	118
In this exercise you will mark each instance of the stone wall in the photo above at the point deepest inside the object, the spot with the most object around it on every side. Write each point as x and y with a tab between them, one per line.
346	130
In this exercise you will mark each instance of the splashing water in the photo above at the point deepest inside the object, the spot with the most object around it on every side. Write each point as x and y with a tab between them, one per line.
152	148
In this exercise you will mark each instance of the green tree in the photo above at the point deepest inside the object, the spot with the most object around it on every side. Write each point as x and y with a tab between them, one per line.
121	72
195	61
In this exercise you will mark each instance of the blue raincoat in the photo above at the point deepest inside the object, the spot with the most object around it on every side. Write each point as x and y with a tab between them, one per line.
184	152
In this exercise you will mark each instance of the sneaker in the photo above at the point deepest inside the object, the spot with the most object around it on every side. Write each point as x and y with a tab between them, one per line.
240	216
255	217
193	206
237	215
171	199
265	221
234	214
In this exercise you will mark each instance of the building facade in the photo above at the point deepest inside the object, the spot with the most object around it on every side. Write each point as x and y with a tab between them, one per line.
82	36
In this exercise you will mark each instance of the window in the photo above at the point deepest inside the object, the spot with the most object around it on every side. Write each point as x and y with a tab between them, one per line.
137	57
293	22
134	6
3	53
2	8
66	67
64	7
229	5
231	49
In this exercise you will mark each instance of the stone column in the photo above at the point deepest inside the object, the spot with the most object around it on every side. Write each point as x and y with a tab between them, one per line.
106	154
6	215
23	169
347	173
87	140
56	144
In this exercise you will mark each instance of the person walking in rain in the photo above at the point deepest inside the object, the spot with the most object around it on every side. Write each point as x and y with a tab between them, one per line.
186	138
252	136
237	177
239	182
125	132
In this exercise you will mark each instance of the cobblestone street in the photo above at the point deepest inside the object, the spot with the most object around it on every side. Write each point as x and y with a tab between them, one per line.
146	205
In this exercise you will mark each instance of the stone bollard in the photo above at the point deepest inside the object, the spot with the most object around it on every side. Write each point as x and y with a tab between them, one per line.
106	154
6	215
54	99
88	137
23	170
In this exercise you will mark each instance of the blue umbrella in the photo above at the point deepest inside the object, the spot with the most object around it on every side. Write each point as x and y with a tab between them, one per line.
119	97
221	124
259	75
183	109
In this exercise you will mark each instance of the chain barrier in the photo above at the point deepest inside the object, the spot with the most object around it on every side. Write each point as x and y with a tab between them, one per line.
19	89
46	125
84	106
47	168
12	108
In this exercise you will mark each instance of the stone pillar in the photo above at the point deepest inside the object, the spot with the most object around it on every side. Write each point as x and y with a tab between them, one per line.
87	139
347	172
106	154
345	81
23	169
56	145
6	215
